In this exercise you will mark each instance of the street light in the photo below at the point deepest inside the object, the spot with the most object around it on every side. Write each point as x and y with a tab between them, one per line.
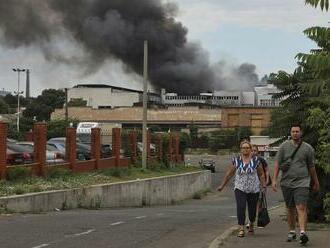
18	93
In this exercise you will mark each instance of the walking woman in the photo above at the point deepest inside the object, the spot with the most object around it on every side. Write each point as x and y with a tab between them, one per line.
248	177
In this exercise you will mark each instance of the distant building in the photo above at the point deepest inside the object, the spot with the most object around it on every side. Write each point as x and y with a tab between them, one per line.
217	98
4	92
264	95
102	96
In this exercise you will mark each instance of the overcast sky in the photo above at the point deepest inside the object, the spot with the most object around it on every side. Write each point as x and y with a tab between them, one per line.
265	33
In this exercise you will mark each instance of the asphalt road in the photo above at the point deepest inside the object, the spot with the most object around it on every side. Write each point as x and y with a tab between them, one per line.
193	223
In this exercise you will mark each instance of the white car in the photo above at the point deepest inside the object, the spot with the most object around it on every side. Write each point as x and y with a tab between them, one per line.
53	156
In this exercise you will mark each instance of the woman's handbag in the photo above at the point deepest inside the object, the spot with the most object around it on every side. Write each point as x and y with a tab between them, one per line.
263	217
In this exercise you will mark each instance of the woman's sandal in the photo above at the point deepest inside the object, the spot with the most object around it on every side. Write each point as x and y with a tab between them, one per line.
241	233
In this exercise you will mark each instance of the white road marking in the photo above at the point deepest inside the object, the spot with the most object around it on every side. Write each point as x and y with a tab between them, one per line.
84	233
233	216
160	214
117	223
40	246
141	217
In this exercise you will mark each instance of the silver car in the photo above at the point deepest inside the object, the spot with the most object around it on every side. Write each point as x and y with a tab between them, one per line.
53	155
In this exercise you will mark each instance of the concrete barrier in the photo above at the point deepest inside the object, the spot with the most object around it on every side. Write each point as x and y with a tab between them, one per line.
146	192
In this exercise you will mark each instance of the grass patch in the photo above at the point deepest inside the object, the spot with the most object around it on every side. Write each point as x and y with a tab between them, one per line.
64	179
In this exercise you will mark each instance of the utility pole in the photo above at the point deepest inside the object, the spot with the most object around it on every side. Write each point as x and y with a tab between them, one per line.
27	86
66	106
145	107
18	92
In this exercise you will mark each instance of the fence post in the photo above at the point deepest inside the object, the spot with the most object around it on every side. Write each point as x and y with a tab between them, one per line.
116	144
170	148
3	149
70	147
177	147
96	146
133	146
40	140
148	144
160	147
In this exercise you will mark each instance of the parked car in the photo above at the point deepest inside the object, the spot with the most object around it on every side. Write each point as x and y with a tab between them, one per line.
17	154
208	164
83	151
53	155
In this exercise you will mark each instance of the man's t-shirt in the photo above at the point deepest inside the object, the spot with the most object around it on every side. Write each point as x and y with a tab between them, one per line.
298	173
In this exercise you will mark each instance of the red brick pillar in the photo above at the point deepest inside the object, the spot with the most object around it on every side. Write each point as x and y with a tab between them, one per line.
70	147
148	144
170	148
116	144
3	149
133	146
159	146
29	136
40	140
177	147
96	146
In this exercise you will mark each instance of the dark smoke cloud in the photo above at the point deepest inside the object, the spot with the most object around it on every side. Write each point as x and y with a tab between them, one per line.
114	29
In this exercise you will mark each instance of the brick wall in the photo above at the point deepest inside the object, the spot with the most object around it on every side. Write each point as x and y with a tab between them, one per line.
255	117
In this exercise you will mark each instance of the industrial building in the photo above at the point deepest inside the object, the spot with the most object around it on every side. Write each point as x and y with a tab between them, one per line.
100	96
264	95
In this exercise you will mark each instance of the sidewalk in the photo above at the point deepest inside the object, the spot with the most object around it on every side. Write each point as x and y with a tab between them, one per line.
274	235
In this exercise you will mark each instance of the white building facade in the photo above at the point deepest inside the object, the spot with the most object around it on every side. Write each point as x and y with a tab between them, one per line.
100	96
264	95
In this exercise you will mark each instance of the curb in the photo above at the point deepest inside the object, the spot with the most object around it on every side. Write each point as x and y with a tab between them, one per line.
220	240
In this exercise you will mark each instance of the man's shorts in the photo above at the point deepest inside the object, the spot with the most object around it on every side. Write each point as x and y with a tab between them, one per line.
295	196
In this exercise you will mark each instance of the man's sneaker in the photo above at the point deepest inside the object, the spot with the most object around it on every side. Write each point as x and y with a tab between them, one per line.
291	236
303	238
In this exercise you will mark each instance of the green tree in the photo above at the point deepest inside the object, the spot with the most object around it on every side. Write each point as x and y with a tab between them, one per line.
307	99
77	102
4	107
42	107
193	130
323	4
57	128
243	133
11	100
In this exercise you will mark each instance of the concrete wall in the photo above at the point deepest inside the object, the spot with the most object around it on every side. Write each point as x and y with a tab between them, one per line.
137	193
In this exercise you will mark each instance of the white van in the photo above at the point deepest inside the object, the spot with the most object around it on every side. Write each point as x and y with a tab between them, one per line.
84	130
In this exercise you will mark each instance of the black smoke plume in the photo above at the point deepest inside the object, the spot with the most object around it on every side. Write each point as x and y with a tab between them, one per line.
112	29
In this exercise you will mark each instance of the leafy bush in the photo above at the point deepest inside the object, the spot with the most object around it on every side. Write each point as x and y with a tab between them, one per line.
116	172
18	173
327	206
59	173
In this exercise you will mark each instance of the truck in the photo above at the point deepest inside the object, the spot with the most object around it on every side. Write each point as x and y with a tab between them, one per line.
84	130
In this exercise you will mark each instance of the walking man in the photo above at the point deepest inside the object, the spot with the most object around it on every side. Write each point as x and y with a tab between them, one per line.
295	159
